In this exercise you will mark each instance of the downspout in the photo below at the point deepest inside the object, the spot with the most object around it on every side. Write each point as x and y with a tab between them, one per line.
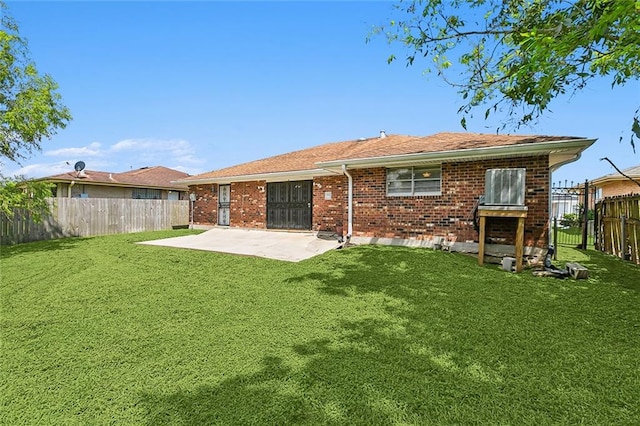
349	203
73	182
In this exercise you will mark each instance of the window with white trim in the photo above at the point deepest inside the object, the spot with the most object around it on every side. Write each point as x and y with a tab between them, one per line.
146	194
414	181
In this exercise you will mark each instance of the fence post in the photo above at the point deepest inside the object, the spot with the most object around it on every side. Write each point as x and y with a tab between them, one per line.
596	227
555	238
585	216
623	237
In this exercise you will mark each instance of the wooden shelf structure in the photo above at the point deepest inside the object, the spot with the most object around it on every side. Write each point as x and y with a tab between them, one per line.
518	212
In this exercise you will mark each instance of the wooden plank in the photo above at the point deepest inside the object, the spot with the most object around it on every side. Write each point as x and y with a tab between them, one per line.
502	213
94	216
519	243
483	222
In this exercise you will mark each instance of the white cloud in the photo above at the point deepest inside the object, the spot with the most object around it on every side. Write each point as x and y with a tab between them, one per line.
41	170
191	170
191	159
91	150
158	151
124	155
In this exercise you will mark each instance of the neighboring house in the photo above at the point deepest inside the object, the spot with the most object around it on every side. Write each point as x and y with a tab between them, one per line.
615	184
390	189
564	202
145	183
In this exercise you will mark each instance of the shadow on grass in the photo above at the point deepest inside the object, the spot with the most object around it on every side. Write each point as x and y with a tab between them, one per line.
606	268
397	368
39	246
448	343
407	273
366	378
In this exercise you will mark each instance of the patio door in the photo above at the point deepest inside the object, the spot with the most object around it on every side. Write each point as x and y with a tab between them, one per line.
289	205
224	201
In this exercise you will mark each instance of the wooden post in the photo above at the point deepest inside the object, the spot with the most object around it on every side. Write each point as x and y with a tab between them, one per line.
623	237
497	211
483	221
519	244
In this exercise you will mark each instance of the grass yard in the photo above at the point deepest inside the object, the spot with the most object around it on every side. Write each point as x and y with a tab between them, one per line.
104	331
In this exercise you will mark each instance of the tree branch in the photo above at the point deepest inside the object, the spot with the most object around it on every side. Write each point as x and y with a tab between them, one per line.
619	171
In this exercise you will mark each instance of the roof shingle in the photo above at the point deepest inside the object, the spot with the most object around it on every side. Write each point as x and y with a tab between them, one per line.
306	159
149	177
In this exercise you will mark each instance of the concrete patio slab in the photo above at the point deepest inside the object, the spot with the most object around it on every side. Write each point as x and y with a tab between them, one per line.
280	245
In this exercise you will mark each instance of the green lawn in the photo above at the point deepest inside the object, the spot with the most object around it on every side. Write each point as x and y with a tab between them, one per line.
104	331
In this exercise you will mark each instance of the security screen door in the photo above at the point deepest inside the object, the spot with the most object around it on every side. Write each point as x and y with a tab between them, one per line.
224	200
289	205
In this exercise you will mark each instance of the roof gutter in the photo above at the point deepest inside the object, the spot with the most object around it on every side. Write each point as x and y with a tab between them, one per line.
467	154
269	177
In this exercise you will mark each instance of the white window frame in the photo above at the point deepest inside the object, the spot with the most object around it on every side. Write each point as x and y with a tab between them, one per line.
436	170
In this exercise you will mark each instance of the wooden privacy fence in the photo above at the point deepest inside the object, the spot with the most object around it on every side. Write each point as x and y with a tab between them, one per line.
82	217
618	227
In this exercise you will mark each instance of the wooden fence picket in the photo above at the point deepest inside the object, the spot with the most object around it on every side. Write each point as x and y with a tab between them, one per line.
83	217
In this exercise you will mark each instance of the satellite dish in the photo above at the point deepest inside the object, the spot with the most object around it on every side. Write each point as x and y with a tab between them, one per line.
79	166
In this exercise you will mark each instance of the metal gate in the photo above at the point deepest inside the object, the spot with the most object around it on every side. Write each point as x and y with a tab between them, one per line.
572	223
224	202
289	205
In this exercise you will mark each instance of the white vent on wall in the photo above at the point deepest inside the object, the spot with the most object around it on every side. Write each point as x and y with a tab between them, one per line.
504	187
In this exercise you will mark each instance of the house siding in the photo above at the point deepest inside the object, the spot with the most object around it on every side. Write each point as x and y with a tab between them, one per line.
102	191
621	187
410	217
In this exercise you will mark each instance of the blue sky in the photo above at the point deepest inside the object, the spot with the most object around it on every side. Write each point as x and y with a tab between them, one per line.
198	86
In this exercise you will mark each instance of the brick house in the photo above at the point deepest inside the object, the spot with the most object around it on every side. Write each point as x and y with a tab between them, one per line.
144	183
390	189
615	184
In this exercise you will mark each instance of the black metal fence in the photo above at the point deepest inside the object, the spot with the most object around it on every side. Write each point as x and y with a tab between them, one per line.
572	215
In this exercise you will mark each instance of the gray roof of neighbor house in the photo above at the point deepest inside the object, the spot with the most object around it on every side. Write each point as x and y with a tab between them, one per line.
633	171
158	177
397	150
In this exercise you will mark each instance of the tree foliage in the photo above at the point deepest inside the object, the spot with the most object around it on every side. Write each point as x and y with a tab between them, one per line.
30	111
521	54
25	194
30	106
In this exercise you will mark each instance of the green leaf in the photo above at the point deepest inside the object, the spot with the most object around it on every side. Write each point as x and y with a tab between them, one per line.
526	53
635	128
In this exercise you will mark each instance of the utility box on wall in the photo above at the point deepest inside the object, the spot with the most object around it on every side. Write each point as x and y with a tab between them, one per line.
504	187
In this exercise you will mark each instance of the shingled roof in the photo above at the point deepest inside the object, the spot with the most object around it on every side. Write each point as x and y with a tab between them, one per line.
318	157
148	177
633	172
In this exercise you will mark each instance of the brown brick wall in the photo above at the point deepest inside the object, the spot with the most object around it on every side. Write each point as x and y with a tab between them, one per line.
248	205
329	213
205	208
376	215
612	189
